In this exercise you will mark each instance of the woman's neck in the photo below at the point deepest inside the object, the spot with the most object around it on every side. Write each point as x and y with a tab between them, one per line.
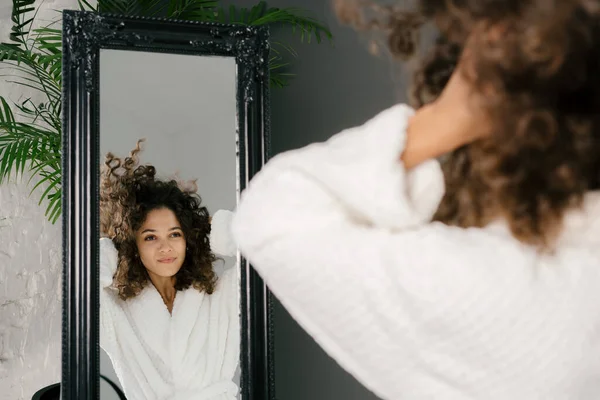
165	287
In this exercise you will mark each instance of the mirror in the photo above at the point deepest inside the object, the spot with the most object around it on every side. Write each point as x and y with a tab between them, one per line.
165	123
188	121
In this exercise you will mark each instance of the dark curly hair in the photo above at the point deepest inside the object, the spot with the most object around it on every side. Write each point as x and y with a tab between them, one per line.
544	68
128	192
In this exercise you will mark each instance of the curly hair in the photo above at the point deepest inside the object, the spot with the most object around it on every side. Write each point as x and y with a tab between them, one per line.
544	152
128	192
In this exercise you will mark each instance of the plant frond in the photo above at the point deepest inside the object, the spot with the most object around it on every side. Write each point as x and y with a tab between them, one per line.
84	5
53	211
308	26
192	10
21	25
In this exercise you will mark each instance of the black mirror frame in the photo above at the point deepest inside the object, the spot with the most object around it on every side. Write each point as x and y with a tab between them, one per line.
84	35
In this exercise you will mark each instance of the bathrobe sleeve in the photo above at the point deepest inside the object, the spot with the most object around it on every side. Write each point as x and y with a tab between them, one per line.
341	234
108	262
221	241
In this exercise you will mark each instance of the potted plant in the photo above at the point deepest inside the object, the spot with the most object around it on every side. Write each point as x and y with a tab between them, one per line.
31	133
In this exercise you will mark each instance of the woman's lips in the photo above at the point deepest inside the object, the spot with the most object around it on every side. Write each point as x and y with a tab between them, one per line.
167	260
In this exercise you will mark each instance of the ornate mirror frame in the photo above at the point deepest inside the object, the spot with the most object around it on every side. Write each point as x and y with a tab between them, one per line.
84	35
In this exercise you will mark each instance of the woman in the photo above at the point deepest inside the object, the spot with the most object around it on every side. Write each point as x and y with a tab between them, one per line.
169	325
475	279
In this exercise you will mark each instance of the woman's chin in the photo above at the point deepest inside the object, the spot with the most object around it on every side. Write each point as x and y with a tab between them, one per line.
165	271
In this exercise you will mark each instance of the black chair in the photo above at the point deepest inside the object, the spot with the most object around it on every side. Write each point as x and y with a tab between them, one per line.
52	392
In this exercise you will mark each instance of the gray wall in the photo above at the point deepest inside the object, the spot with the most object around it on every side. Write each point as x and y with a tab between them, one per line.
185	108
336	87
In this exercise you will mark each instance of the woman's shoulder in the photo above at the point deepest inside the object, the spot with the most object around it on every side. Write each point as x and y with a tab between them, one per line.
228	274
227	281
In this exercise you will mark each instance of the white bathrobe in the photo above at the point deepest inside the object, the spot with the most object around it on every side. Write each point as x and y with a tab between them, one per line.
191	354
415	310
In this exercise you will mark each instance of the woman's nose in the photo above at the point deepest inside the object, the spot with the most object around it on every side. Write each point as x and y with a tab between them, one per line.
164	247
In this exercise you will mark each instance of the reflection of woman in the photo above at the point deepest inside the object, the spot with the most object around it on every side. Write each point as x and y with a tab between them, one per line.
483	287
168	323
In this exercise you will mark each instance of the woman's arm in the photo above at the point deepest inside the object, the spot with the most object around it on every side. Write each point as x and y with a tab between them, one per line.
340	233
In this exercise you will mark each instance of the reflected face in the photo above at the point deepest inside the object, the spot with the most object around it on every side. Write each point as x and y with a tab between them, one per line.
161	243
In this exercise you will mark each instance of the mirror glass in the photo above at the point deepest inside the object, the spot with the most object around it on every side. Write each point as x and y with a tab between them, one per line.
169	296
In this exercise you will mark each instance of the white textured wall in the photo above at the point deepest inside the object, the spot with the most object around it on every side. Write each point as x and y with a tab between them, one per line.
30	267
30	293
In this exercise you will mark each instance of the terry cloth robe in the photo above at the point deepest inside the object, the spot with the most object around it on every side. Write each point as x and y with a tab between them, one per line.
414	309
191	354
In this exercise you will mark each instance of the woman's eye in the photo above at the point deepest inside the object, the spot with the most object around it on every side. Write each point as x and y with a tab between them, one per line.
176	234
148	238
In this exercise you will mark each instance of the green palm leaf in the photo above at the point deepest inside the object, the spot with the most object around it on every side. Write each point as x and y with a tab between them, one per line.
300	22
20	28
191	10
180	9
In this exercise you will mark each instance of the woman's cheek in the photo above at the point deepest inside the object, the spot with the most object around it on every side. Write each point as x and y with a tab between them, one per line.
181	244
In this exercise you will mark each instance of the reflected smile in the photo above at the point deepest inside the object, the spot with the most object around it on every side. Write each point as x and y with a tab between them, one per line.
167	260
